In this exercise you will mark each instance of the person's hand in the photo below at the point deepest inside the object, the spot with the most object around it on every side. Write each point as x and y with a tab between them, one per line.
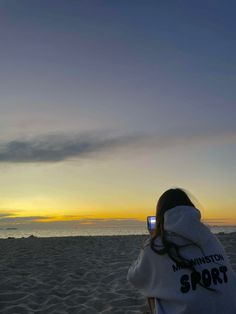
152	233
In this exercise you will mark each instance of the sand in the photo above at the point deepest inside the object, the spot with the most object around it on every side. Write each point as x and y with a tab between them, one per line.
74	274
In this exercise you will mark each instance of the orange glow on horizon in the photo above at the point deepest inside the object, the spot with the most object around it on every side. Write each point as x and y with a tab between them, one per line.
52	210
208	218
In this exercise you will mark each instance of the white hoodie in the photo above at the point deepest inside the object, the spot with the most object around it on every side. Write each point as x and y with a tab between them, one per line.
176	289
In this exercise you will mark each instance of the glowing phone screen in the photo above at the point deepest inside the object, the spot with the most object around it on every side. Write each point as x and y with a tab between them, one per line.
151	222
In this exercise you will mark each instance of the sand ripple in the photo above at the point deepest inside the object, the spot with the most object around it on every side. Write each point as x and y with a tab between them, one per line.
81	275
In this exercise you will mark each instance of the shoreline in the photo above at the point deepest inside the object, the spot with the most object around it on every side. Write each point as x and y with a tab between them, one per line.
100	236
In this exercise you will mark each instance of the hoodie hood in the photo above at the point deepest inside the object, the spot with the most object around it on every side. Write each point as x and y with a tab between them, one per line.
185	221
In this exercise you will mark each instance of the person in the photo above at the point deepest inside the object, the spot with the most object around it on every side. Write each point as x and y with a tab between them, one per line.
183	268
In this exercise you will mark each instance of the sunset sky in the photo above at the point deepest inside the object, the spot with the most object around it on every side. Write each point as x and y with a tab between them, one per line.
106	104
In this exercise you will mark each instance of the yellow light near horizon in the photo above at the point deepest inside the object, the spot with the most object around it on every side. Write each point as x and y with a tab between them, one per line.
63	210
226	217
52	210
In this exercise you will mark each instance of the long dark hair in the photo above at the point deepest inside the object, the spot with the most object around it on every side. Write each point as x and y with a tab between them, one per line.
168	200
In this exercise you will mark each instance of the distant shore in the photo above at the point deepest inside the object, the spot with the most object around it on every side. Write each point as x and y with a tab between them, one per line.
81	274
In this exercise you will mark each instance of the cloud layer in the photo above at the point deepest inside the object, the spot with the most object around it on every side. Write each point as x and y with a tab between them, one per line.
55	148
8	220
67	221
60	147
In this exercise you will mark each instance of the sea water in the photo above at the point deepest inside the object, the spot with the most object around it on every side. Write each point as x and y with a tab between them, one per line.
63	230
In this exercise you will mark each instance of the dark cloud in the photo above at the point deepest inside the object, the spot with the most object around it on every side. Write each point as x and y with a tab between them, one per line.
80	219
55	148
9	218
67	220
58	147
5	215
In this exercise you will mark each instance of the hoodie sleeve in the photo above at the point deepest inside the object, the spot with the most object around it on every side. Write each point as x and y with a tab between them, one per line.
140	272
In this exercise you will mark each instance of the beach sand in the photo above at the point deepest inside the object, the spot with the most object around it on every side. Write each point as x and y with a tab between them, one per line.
74	274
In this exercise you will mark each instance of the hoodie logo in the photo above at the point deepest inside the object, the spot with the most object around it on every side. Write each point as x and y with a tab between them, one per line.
206	276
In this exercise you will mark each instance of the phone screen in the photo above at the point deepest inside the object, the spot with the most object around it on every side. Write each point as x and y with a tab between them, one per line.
151	222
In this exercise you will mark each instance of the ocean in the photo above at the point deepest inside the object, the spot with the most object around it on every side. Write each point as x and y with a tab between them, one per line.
59	230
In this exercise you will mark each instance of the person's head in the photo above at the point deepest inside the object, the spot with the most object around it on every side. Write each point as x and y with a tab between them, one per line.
170	199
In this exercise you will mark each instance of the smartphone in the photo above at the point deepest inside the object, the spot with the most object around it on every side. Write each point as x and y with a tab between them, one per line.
151	223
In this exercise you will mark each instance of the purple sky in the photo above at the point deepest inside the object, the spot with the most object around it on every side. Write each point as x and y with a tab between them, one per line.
136	65
80	78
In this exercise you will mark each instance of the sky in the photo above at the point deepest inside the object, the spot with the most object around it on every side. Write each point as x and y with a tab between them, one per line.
106	104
